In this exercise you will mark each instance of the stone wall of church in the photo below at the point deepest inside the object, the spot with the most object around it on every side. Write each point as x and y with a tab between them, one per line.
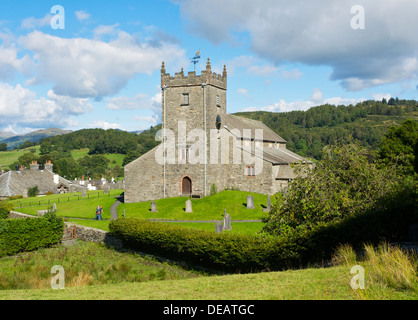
143	179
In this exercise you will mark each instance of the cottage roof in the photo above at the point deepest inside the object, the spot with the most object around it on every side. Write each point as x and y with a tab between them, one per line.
15	182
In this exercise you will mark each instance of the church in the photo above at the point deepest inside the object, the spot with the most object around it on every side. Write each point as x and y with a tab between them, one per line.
203	147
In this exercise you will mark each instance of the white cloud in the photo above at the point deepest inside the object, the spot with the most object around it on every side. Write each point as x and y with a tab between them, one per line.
303	105
318	33
317	95
34	23
86	68
243	92
380	96
105	30
252	65
10	63
20	108
82	15
101	124
294	74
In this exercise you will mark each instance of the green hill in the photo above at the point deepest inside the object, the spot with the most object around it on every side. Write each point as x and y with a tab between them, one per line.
307	132
33	136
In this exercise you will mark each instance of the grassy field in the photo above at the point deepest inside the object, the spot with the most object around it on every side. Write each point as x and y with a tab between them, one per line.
93	272
208	208
71	205
8	157
115	159
82	210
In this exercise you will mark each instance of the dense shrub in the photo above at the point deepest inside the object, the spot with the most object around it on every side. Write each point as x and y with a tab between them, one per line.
227	252
5	208
17	235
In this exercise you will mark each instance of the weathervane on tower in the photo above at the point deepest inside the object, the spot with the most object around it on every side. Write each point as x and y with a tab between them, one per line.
195	59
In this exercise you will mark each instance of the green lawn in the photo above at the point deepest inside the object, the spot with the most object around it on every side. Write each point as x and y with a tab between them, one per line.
76	207
82	210
208	208
237	227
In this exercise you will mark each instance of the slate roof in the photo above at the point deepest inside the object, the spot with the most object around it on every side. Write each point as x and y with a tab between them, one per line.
15	182
241	123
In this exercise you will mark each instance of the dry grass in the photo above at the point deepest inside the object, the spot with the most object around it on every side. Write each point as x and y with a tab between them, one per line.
385	267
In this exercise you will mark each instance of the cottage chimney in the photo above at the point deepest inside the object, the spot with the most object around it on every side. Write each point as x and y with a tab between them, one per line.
48	165
34	165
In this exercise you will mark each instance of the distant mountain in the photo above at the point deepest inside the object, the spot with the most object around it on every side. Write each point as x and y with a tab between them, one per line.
5	135
33	136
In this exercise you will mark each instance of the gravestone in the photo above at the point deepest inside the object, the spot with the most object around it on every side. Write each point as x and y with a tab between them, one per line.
83	193
227	221
41	213
153	207
106	188
268	204
54	207
250	202
25	194
189	206
218	226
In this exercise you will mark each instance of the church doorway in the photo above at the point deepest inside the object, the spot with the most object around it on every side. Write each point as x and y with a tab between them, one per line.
186	186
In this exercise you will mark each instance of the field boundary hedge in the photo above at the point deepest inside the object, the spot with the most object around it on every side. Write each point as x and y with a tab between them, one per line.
28	234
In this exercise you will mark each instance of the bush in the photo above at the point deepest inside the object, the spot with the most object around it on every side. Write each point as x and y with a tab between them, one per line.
226	252
5	208
33	192
213	189
17	235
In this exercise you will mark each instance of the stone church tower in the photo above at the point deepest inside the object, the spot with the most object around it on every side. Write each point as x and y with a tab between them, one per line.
194	109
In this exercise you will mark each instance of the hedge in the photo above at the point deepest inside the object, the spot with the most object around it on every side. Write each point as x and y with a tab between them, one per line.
245	253
17	235
227	252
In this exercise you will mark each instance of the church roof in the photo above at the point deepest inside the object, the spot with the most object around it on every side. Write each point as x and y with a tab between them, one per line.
241	123
281	156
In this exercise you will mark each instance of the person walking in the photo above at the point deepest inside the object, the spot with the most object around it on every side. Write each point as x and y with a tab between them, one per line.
98	215
100	212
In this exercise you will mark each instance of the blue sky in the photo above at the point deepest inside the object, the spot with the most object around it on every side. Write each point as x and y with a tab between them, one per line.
103	69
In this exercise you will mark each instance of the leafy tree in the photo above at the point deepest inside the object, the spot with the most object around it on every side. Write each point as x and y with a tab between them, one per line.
343	183
400	145
45	148
3	146
27	158
68	168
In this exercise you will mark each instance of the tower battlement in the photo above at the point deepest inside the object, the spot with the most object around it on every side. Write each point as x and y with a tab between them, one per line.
207	76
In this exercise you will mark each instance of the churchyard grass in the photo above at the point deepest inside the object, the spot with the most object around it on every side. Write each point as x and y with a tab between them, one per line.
237	227
208	208
77	207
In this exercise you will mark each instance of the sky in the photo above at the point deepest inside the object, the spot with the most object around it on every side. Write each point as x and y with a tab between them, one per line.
74	64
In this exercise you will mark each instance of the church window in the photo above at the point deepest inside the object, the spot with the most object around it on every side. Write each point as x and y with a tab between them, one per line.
185	100
184	153
250	171
217	101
